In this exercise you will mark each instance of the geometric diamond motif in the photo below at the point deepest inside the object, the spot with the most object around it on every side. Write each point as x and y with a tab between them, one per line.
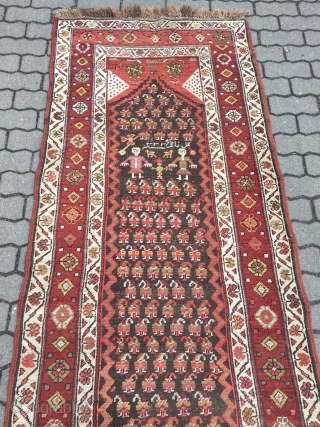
231	100
261	289
269	343
250	223
76	158
82	61
79	125
72	215
245	182
266	317
238	147
257	267
65	286
235	131
279	398
56	401
70	239
248	202
73	197
58	370
274	369
60	343
69	261
227	73
255	244
81	91
241	165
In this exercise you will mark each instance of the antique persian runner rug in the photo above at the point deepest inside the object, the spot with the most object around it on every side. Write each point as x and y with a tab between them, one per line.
163	284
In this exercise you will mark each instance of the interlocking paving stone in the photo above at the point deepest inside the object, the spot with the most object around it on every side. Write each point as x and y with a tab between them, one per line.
259	22
4	311
305	185
22	258
275	8
300	209
6	99
279	86
4	384
317	208
316	68
313	164
11	207
303	233
59	3
309	8
291	164
14	232
34	63
306	104
309	124
28	14
312	286
3	139
13	318
35	30
305	86
111	3
15	161
312	37
23	3
8	259
12	29
12	119
16	81
40	120
25	99
310	260
303	53
12	182
22	46
23	140
29	207
10	287
299	22
35	162
9	63
6	347
272	53
270	38
297	143
287	69
285	123
316	317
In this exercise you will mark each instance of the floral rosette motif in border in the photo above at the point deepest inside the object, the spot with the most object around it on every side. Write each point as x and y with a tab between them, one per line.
159	127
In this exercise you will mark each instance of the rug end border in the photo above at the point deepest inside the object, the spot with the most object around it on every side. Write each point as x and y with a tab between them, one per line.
134	12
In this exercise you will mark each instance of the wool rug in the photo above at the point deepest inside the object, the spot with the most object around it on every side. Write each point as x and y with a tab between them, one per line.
162	279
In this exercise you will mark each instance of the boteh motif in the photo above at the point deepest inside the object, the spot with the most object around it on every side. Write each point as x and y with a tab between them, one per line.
162	289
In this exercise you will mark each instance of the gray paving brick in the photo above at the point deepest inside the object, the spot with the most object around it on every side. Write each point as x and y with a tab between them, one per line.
308	234
298	143
315	320
19	161
25	99
11	207
307	9
215	5
312	286
22	46
22	258
35	63
9	62
4	310
16	29
12	183
303	53
312	37
8	256
11	119
97	3
300	209
260	23
6	346
35	161
6	99
316	68
254	36
22	140
317	207
4	384
40	120
305	86
309	124
36	30
310	260
23	3
16	81
273	53
313	164
29	207
284	124
28	14
278	86
61	3
10	287
14	232
1	12
304	186
275	8
13	318
292	104
316	338
45	85
291	164
270	38
299	23
287	69
3	139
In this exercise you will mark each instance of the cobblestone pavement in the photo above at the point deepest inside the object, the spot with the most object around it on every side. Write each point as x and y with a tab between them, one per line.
287	39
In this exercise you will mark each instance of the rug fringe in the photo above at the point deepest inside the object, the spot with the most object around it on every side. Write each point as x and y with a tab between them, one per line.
137	11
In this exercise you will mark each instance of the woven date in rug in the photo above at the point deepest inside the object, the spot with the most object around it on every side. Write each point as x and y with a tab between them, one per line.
162	287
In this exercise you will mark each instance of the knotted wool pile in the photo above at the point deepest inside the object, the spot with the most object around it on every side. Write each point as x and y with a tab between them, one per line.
162	282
